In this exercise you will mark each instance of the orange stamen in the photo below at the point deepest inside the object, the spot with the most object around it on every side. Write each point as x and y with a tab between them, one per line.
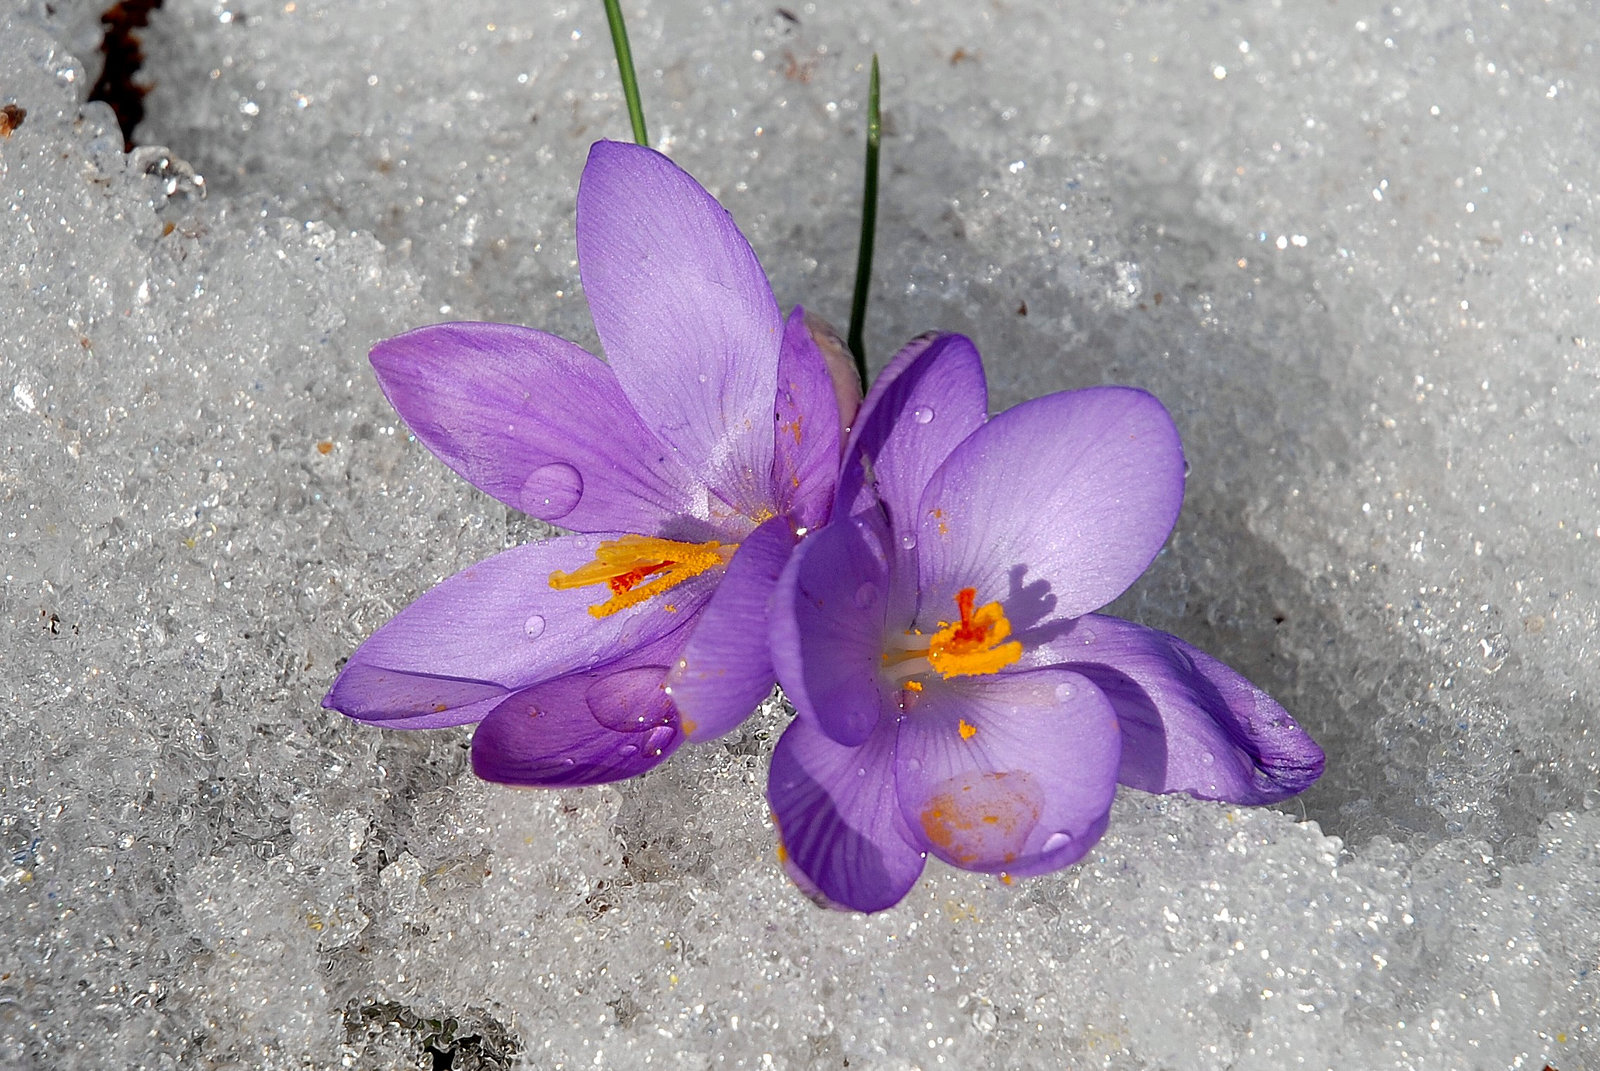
973	645
624	565
976	644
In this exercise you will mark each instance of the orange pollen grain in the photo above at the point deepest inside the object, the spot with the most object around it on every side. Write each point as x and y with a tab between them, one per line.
967	729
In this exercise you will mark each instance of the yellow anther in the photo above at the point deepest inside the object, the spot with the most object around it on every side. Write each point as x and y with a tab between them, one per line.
637	568
976	644
972	646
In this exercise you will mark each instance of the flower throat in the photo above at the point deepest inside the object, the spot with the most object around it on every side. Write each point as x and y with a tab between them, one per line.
973	645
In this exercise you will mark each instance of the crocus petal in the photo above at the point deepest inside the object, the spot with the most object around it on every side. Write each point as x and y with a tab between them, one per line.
841	369
828	625
1012	772
1078	489
539	424
564	732
409	699
805	459
725	669
928	399
684	313
1189	723
842	836
494	628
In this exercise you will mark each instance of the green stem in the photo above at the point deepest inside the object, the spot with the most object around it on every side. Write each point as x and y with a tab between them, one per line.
630	81
869	220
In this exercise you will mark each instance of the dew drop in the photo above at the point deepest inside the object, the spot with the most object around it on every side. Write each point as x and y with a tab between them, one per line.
701	377
1085	636
627	750
1207	759
1065	691
861	771
913	765
908	541
865	594
551	491
569	762
922	414
534	626
1056	841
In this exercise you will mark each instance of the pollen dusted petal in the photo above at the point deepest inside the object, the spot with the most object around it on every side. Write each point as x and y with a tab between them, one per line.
1013	772
807	418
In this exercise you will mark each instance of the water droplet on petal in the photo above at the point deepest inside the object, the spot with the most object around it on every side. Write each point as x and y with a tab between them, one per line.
627	750
913	764
551	491
1207	759
922	414
1085	635
865	594
1056	841
569	762
1065	691
534	626
908	541
701	377
861	771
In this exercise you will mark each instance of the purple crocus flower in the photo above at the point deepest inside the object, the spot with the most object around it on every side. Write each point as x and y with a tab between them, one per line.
690	463
956	693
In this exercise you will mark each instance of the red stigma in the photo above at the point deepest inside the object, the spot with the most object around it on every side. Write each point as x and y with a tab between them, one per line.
968	631
627	580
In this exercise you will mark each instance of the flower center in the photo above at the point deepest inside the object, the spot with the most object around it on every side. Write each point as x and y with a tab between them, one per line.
637	568
971	646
